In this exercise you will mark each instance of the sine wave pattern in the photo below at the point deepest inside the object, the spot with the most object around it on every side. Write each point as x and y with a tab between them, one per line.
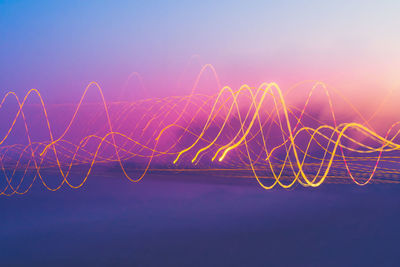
246	132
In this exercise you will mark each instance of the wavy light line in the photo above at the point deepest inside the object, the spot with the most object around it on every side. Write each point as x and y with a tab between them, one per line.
251	130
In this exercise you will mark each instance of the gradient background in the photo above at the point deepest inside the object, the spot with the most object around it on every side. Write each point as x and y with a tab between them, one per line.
58	47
